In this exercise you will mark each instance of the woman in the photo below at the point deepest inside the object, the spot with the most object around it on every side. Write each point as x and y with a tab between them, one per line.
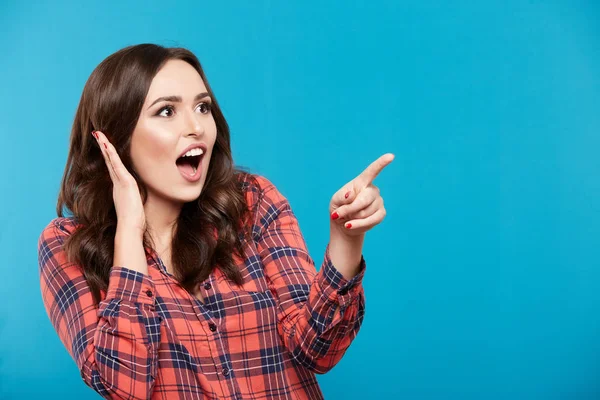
191	279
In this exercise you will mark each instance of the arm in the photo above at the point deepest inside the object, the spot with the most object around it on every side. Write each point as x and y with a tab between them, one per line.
115	343
319	313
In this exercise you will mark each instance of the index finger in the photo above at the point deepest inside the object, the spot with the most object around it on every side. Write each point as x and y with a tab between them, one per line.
371	172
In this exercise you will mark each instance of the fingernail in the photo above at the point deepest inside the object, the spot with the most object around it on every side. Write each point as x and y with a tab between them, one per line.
95	134
346	195
348	226
335	215
105	146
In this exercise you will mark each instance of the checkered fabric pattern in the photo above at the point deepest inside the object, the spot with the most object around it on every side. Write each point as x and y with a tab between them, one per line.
151	339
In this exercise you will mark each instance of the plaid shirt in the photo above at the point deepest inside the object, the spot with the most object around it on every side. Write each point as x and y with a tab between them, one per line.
150	338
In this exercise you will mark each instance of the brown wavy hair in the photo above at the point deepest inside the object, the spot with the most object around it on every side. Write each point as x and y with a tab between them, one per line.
111	102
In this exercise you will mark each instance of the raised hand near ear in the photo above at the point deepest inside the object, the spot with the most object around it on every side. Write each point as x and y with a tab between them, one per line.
358	205
126	194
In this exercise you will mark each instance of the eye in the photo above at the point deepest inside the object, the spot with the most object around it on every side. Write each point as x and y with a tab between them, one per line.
169	110
166	108
204	107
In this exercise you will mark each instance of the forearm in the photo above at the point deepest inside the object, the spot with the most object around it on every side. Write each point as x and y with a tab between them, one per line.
345	251
115	342
319	333
129	250
318	313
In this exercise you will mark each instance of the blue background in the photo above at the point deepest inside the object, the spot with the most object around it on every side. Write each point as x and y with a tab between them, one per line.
483	280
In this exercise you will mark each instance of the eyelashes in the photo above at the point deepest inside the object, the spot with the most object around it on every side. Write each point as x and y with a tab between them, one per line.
206	108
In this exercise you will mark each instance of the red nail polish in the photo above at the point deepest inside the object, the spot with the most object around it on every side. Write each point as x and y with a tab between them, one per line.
95	134
348	226
346	195
335	215
105	146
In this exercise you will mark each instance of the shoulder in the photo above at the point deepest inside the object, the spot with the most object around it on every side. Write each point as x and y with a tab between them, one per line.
254	183
58	228
259	189
265	201
52	254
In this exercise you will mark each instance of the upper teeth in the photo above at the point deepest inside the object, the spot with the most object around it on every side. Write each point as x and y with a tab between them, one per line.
194	152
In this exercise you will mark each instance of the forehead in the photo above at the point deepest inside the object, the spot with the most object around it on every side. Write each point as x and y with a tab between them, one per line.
176	78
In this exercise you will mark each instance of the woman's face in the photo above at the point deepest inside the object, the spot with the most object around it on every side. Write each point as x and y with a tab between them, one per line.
176	114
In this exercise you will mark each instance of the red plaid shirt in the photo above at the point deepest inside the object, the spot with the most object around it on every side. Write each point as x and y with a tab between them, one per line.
150	338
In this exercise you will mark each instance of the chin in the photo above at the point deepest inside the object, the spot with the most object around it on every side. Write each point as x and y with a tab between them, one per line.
189	195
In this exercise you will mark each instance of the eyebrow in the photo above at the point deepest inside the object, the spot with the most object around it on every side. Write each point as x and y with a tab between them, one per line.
177	99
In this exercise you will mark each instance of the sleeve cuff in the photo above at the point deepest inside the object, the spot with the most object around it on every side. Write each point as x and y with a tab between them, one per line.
130	286
335	286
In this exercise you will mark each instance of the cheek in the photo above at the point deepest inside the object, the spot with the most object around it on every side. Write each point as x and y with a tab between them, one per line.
151	153
211	127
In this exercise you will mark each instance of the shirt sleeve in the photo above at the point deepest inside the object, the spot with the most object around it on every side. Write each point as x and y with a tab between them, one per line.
115	343
319	313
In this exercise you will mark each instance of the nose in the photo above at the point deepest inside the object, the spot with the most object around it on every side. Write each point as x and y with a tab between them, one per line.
193	124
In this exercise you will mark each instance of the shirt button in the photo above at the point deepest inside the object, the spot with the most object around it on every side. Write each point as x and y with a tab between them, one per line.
149	293
207	285
212	327
225	371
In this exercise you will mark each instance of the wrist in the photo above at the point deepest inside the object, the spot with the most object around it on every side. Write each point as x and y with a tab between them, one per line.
345	252
129	249
128	232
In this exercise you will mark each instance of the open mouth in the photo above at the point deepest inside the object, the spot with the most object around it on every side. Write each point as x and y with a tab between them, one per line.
189	164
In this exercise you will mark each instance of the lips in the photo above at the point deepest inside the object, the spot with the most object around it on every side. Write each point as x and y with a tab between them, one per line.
190	166
193	146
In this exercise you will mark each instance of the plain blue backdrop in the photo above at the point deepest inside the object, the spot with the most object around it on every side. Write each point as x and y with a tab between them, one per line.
483	280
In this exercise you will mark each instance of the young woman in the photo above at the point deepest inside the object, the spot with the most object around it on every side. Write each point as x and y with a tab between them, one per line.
177	275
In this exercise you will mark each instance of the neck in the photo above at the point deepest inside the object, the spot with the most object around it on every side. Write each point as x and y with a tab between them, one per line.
161	219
